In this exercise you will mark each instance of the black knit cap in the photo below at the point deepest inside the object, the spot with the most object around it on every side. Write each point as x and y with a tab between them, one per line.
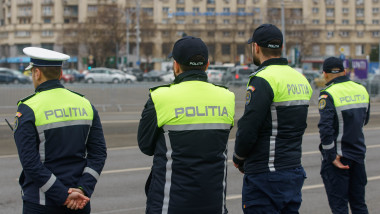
331	63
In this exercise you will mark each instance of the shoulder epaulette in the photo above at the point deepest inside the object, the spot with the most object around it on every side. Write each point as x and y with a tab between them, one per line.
154	88
76	93
26	98
222	86
254	73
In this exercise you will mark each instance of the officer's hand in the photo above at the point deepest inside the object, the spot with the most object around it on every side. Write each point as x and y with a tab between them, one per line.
238	164
339	164
76	200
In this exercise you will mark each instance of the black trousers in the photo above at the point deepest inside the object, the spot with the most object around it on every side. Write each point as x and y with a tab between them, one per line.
31	208
345	186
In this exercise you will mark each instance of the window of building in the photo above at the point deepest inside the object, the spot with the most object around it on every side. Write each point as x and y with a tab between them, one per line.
226	49
359	11
20	47
180	9
195	9
240	1
359	50
315	34
226	10
226	21
345	21
375	1
210	21
240	49
359	34
257	21
315	10
330	21
25	11
330	50
296	12
180	21
47	11
210	1
359	2
226	34
180	1
92	8
47	33
195	21
360	22
22	33
24	20
330	2
375	21
241	33
330	12
47	20
330	34
316	50
165	21
241	10
148	11
165	10
375	10
165	34
376	34
196	33
345	10
49	46
210	33
240	21
315	21
210	10
345	49
344	33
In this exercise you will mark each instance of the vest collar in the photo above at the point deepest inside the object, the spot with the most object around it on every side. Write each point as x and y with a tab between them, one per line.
47	85
338	80
273	61
191	75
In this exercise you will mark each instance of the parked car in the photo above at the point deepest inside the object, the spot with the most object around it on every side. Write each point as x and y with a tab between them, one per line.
153	75
214	76
8	75
128	77
67	77
311	75
238	75
168	77
78	77
137	72
103	75
373	84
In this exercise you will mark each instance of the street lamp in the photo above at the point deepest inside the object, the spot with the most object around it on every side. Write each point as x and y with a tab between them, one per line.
283	28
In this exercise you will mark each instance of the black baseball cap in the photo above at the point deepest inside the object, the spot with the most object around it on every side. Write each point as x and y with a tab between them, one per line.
265	34
331	63
187	47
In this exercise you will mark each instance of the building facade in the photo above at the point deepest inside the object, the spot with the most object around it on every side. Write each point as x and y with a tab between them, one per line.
314	29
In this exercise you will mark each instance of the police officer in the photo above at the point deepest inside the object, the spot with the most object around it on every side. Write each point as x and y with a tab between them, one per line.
269	135
185	125
344	110
59	139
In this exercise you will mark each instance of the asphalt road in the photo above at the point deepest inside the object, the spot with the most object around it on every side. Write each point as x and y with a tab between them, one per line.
121	186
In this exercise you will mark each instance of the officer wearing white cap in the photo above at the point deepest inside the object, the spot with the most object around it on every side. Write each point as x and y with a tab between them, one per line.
344	109
59	139
269	136
185	125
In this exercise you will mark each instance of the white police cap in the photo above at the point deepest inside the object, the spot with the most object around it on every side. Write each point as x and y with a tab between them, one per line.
41	57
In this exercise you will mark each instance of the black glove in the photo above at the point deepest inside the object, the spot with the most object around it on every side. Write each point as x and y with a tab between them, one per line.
239	163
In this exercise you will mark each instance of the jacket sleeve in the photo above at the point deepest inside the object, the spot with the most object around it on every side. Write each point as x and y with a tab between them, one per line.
27	142
327	127
368	113
148	129
256	111
96	156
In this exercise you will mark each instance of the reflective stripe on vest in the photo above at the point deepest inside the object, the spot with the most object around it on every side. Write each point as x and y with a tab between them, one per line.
345	99
290	88
179	108
57	108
